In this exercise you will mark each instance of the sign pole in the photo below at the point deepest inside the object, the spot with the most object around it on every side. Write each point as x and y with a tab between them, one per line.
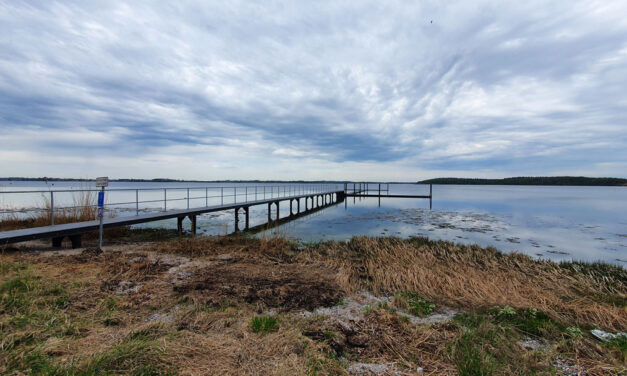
101	215
102	183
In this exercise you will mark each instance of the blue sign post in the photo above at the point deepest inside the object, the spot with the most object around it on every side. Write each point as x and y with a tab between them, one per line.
102	183
101	198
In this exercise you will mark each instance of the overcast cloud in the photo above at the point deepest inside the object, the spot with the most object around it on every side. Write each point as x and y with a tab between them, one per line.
393	90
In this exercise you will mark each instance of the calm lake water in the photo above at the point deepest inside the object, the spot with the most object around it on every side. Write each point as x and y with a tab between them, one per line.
559	223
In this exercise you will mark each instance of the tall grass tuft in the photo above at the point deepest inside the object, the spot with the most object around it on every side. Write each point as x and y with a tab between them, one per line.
83	209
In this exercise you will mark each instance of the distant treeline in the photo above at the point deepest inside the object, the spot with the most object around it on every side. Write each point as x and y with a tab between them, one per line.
532	180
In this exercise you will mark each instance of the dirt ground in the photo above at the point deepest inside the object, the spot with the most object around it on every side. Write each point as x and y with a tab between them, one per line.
242	306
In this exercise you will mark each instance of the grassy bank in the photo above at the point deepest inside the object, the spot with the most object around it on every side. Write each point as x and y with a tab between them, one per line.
239	305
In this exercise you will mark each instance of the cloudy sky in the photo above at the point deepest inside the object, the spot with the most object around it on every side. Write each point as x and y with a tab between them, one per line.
381	90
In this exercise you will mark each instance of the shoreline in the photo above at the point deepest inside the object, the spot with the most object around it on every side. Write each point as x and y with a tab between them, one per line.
388	304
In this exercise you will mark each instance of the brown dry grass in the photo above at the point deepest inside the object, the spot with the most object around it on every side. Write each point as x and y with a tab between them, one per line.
474	277
163	328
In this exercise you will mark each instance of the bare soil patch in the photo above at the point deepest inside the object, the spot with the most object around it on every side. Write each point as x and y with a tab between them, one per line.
273	285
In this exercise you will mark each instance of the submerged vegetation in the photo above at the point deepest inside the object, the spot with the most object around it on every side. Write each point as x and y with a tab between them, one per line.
242	305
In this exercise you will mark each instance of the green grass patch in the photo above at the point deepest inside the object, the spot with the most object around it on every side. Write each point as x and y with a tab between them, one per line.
8	266
470	356
619	344
528	321
489	343
133	357
19	284
413	303
149	333
264	324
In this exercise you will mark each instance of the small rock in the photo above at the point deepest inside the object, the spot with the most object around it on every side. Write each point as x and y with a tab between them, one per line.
163	317
531	344
126	288
367	369
345	326
169	260
567	367
605	336
358	340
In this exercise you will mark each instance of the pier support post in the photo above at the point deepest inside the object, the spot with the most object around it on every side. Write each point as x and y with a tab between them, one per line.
236	220
179	225
246	210
291	207
76	241
193	219
269	212
298	206
56	242
277	211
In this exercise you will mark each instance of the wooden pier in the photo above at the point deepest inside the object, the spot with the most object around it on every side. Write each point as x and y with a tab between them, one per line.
313	201
73	231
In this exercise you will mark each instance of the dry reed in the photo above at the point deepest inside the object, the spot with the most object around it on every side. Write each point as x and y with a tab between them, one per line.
83	208
474	277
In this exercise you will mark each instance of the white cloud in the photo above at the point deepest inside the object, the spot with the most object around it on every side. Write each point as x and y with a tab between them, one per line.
366	89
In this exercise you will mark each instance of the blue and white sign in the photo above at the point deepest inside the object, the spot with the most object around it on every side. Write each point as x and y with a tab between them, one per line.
100	199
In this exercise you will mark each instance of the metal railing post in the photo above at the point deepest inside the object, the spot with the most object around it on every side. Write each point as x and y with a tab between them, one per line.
137	202
221	195
246	191
165	199
188	198
255	193
235	195
52	208
206	196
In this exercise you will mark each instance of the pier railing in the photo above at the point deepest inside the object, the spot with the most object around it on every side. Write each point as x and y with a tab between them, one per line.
129	201
381	189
